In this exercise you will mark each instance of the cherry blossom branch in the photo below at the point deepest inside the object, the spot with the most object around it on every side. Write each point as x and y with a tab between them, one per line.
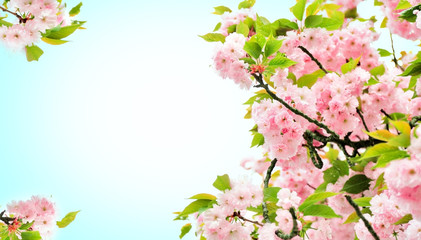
313	58
266	185
366	223
310	136
238	214
394	56
21	19
414	121
6	219
294	231
362	119
259	79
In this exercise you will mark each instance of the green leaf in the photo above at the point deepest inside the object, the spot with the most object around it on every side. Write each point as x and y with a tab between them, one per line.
314	7
222	182
203	196
386	158
272	46
31	235
356	184
53	41
282	26
243	29
381	134
330	175
281	61
378	71
384	22
313	21
412	70
404	219
253	49
33	53
26	226
309	80
402	140
221	10
331	24
363	201
402	126
380	181
353	217
258	140
409	15
320	211
217	27
378	150
403	4
61	32
351	65
5	23
213	37
270	194
246	4
69	218
185	229
315	198
341	166
378	3
298	9
76	10
195	207
259	38
332	154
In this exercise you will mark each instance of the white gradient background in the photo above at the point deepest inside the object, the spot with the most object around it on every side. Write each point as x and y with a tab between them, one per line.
127	120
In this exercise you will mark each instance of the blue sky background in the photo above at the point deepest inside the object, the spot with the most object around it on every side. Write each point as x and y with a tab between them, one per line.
126	121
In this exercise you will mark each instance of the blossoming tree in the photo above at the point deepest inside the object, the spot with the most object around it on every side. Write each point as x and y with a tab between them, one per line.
337	122
23	24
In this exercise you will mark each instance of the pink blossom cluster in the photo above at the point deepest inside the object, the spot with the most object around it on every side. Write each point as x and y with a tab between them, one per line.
399	26
39	16
232	18
385	212
227	60
347	4
283	135
37	209
218	222
331	48
402	178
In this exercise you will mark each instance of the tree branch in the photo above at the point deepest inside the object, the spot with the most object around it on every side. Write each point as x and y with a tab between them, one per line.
238	214
266	185
313	58
294	231
366	223
394	56
259	79
362	119
6	220
21	19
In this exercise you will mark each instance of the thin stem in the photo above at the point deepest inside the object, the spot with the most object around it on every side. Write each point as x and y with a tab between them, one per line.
6	220
259	79
313	58
366	223
266	185
362	119
294	231
21	19
238	214
414	121
394	56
